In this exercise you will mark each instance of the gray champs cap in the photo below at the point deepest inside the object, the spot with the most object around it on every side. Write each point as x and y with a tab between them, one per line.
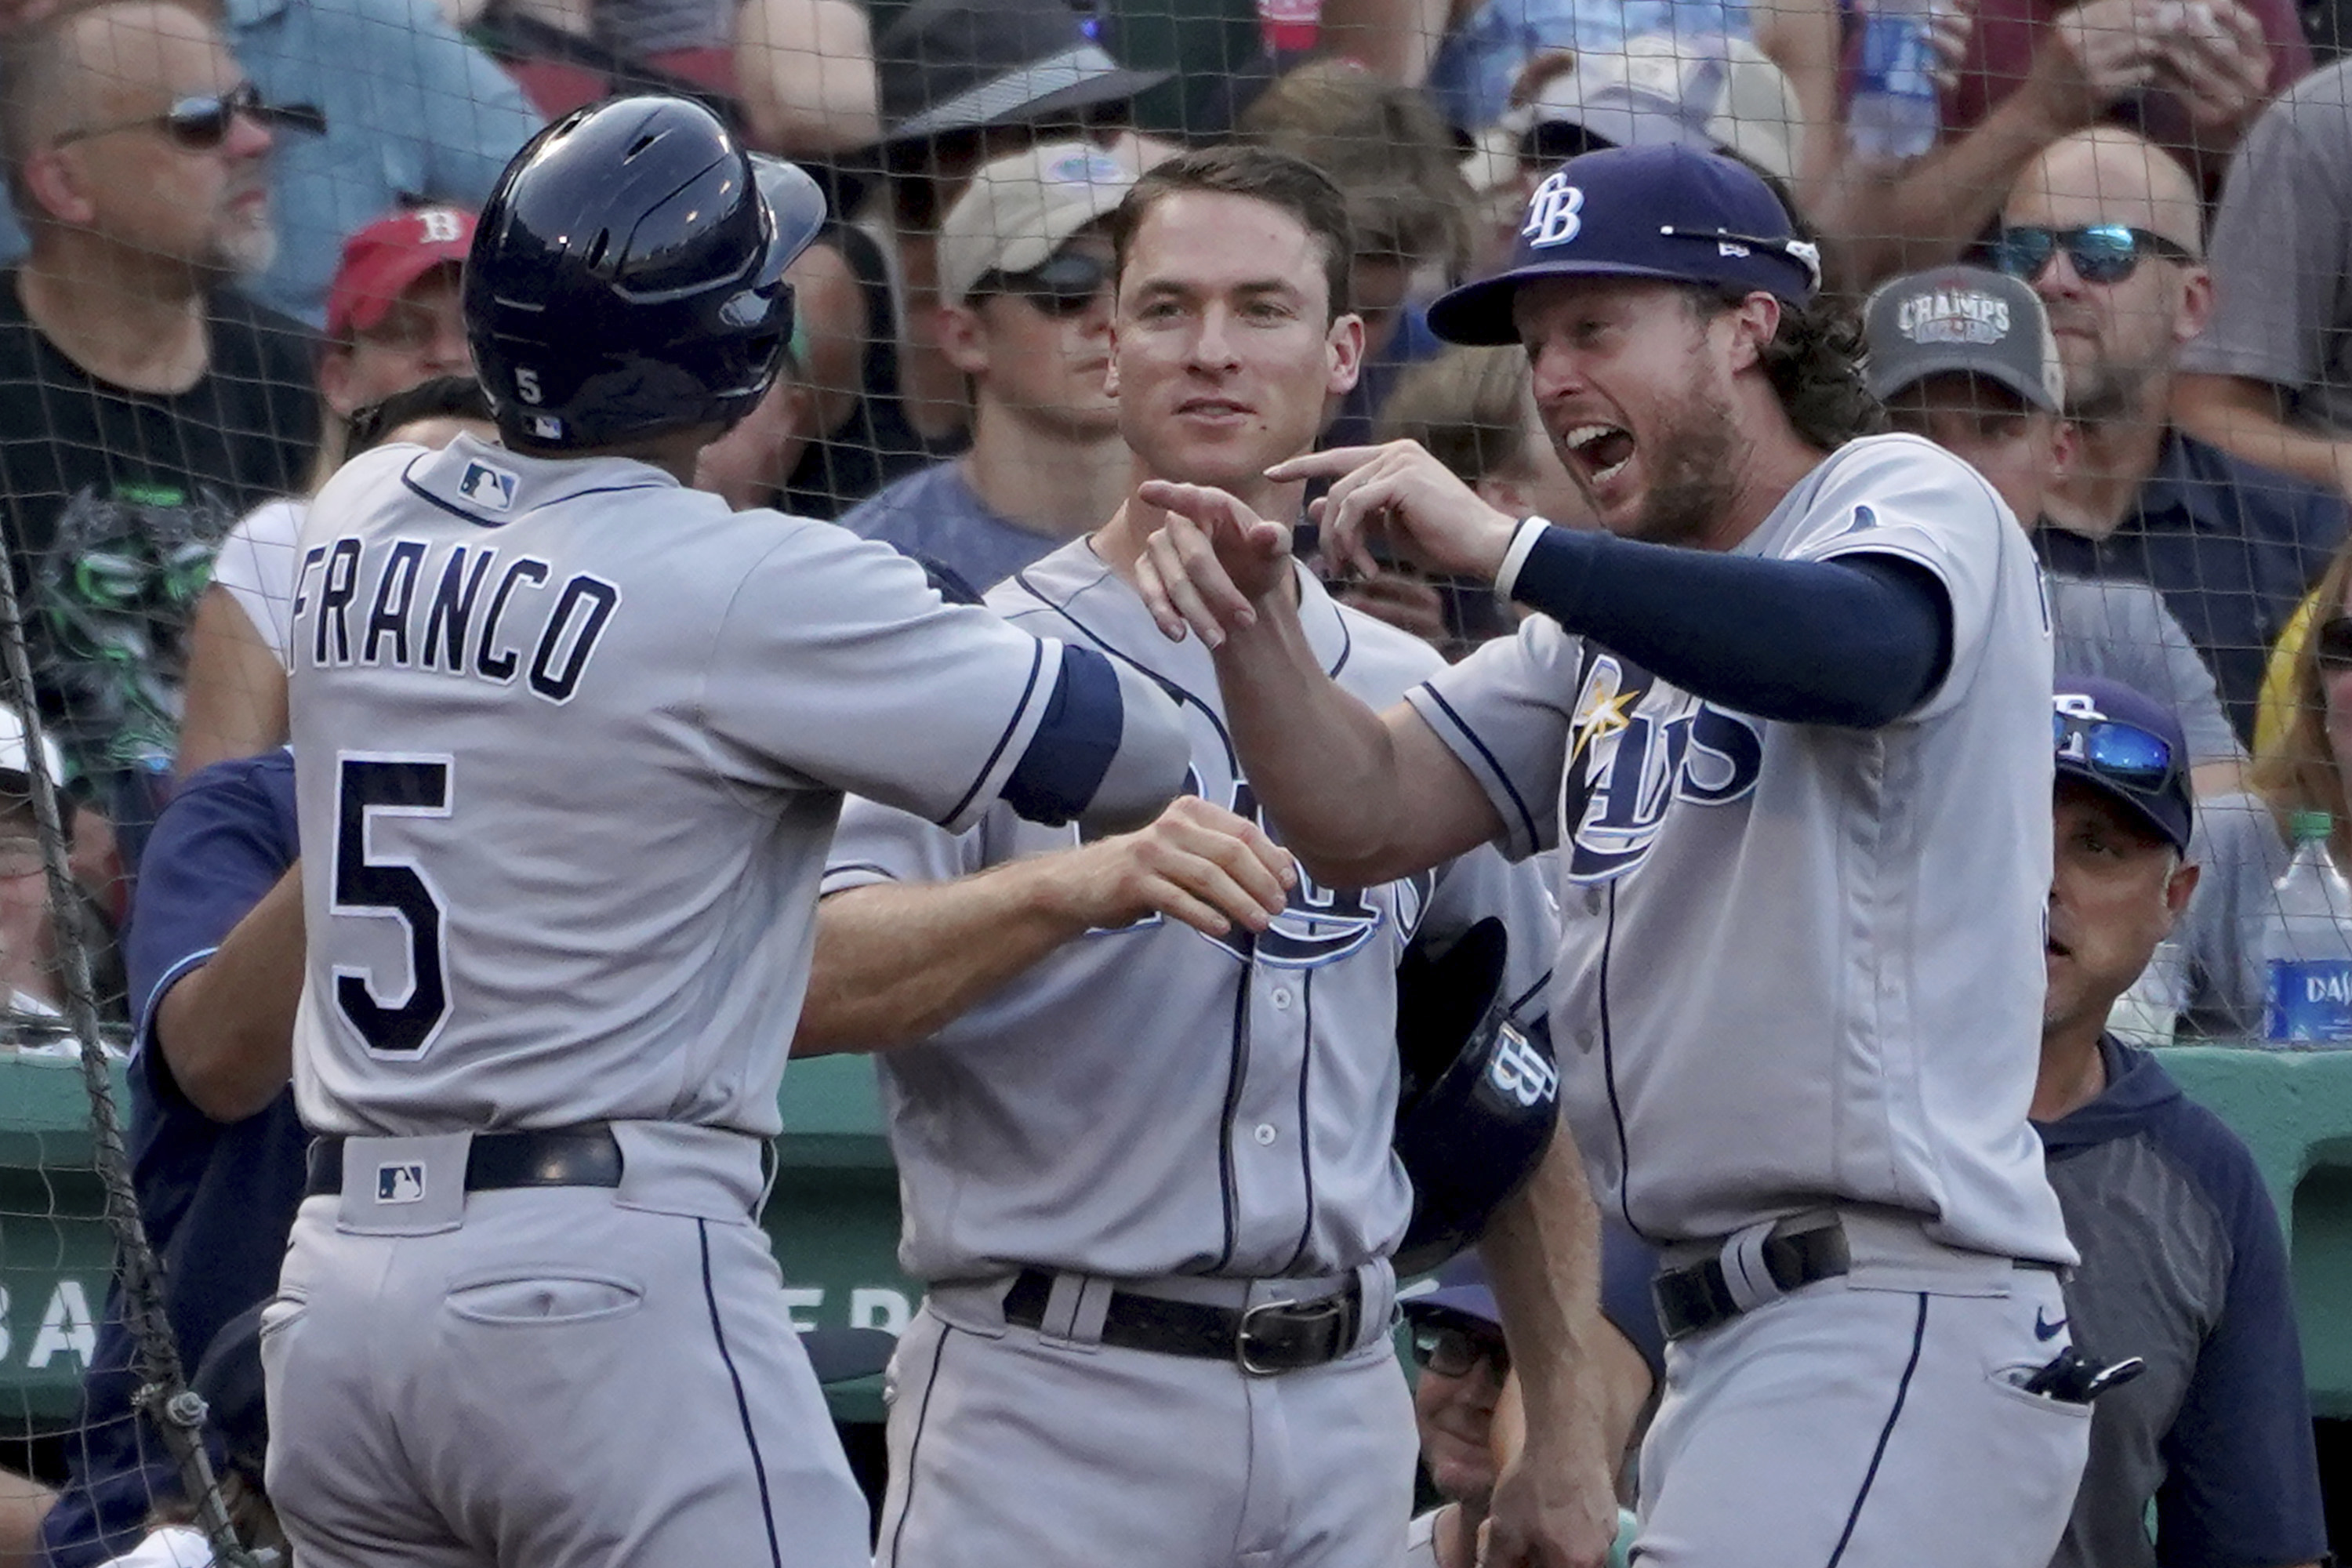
1962	320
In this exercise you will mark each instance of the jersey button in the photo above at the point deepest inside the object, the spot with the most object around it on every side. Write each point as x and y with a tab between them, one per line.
1279	996
1264	1133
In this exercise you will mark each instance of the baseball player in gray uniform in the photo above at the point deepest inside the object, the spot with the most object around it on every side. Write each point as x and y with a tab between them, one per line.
1140	1092
573	741
1782	723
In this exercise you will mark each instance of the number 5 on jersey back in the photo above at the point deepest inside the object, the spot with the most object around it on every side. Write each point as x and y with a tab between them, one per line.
391	886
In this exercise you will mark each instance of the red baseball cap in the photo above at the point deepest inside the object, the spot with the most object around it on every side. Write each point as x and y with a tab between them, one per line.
383	260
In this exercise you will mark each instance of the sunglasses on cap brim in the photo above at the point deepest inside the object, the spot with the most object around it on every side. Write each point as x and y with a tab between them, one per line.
1065	285
2100	253
2125	755
202	122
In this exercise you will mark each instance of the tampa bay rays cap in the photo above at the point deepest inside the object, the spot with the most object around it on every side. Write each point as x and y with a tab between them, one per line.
1664	211
1021	209
1966	320
2128	746
1462	1290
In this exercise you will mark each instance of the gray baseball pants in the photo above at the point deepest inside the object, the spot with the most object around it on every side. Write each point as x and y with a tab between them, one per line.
1011	1446
553	1377
1872	1421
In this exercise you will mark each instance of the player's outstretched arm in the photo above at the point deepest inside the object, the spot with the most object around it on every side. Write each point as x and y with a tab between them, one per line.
227	1027
896	962
1554	1506
1362	797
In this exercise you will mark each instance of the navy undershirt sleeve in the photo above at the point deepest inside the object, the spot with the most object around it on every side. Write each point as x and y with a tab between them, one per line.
1857	642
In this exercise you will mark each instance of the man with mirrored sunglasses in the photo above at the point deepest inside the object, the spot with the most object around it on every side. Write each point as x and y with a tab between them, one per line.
1024	285
2182	1264
2105	227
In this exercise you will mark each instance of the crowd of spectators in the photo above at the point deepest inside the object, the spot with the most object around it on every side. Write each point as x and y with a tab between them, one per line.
2118	283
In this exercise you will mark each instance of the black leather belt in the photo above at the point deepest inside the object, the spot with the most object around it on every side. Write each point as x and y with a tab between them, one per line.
1264	1340
587	1156
1801	1250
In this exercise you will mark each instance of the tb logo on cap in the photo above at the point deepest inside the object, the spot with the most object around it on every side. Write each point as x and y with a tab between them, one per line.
1553	213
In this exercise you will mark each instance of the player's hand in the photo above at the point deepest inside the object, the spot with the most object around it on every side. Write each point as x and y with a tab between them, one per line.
1553	1508
1210	563
1425	514
1196	862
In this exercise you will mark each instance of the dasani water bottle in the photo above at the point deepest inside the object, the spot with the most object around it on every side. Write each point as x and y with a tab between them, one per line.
2307	944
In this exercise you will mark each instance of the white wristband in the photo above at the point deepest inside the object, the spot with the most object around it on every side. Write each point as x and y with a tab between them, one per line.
1523	544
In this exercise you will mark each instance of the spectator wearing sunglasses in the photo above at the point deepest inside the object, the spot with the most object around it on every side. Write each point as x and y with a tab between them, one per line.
393	323
145	403
2105	226
396	107
2182	1259
1965	358
1024	313
2190	74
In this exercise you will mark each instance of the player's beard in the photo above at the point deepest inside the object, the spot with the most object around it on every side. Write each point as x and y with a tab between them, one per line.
1691	481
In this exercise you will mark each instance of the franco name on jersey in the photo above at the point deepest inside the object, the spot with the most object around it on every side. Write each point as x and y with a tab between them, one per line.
447	606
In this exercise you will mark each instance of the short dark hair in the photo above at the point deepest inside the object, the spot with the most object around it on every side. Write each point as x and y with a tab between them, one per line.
1279	180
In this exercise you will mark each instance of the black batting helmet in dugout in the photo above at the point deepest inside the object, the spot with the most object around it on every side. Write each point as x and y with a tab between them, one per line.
1479	1100
1661	211
627	276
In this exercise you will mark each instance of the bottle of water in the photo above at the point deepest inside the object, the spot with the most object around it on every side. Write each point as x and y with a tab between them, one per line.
2307	944
1894	114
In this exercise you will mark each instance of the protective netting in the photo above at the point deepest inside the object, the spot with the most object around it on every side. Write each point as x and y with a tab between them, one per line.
2100	250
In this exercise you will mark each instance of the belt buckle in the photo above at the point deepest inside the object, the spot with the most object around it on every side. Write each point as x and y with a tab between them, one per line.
1263	1355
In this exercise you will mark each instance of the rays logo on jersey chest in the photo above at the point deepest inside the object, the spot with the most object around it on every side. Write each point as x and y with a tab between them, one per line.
1636	747
1319	925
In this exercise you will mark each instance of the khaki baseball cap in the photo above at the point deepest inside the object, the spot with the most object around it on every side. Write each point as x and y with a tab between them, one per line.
1966	320
1705	91
1021	209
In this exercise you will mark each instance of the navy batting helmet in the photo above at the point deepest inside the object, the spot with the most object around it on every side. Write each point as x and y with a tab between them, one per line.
627	276
1480	1100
